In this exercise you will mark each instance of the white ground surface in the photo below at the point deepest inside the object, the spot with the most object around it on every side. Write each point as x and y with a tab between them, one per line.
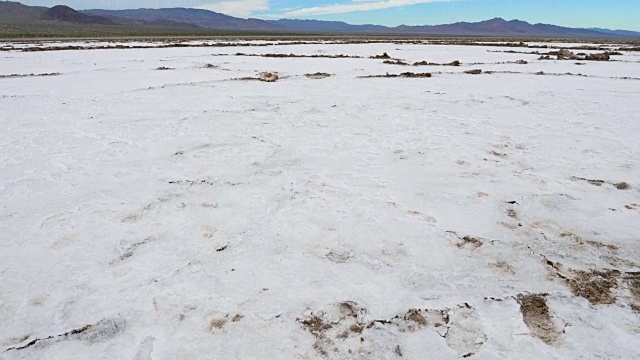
186	215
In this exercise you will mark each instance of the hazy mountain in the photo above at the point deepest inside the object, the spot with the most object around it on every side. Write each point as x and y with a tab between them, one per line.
325	26
493	27
201	18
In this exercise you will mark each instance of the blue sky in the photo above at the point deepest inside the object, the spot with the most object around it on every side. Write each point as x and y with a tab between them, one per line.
615	14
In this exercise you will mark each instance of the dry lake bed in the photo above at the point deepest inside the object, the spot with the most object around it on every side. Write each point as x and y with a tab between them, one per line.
372	200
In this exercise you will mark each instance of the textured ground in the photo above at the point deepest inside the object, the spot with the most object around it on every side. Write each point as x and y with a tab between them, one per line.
182	213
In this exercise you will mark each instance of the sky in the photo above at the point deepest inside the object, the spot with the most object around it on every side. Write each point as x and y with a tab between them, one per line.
613	14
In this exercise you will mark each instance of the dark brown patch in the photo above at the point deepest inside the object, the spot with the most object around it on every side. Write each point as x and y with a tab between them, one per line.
357	328
596	286
537	317
512	213
237	317
315	325
217	324
416	316
475	242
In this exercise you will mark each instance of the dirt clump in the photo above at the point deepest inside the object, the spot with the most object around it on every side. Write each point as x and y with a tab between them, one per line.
395	62
164	68
596	286
622	186
522	62
383	56
537	317
268	77
217	324
318	75
474	72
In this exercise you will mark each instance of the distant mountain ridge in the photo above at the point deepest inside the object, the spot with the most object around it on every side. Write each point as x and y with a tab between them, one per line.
67	14
202	18
174	18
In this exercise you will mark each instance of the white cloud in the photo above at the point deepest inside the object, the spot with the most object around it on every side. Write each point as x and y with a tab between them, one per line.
356	5
241	8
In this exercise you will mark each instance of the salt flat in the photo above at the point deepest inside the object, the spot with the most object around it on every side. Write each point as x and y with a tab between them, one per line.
186	214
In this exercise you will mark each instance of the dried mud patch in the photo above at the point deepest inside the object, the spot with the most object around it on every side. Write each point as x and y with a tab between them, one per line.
596	286
346	329
537	317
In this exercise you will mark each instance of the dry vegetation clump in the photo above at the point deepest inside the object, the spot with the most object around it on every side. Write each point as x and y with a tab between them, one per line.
537	317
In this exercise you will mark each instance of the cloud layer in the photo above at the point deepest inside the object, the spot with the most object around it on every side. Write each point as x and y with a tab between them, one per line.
356	5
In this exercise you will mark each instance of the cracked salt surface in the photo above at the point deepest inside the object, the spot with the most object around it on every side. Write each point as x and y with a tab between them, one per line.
181	214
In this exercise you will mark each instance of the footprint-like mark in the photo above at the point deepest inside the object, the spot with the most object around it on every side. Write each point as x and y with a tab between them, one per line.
145	349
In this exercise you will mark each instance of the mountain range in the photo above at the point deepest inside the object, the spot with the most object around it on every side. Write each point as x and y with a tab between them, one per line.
13	14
